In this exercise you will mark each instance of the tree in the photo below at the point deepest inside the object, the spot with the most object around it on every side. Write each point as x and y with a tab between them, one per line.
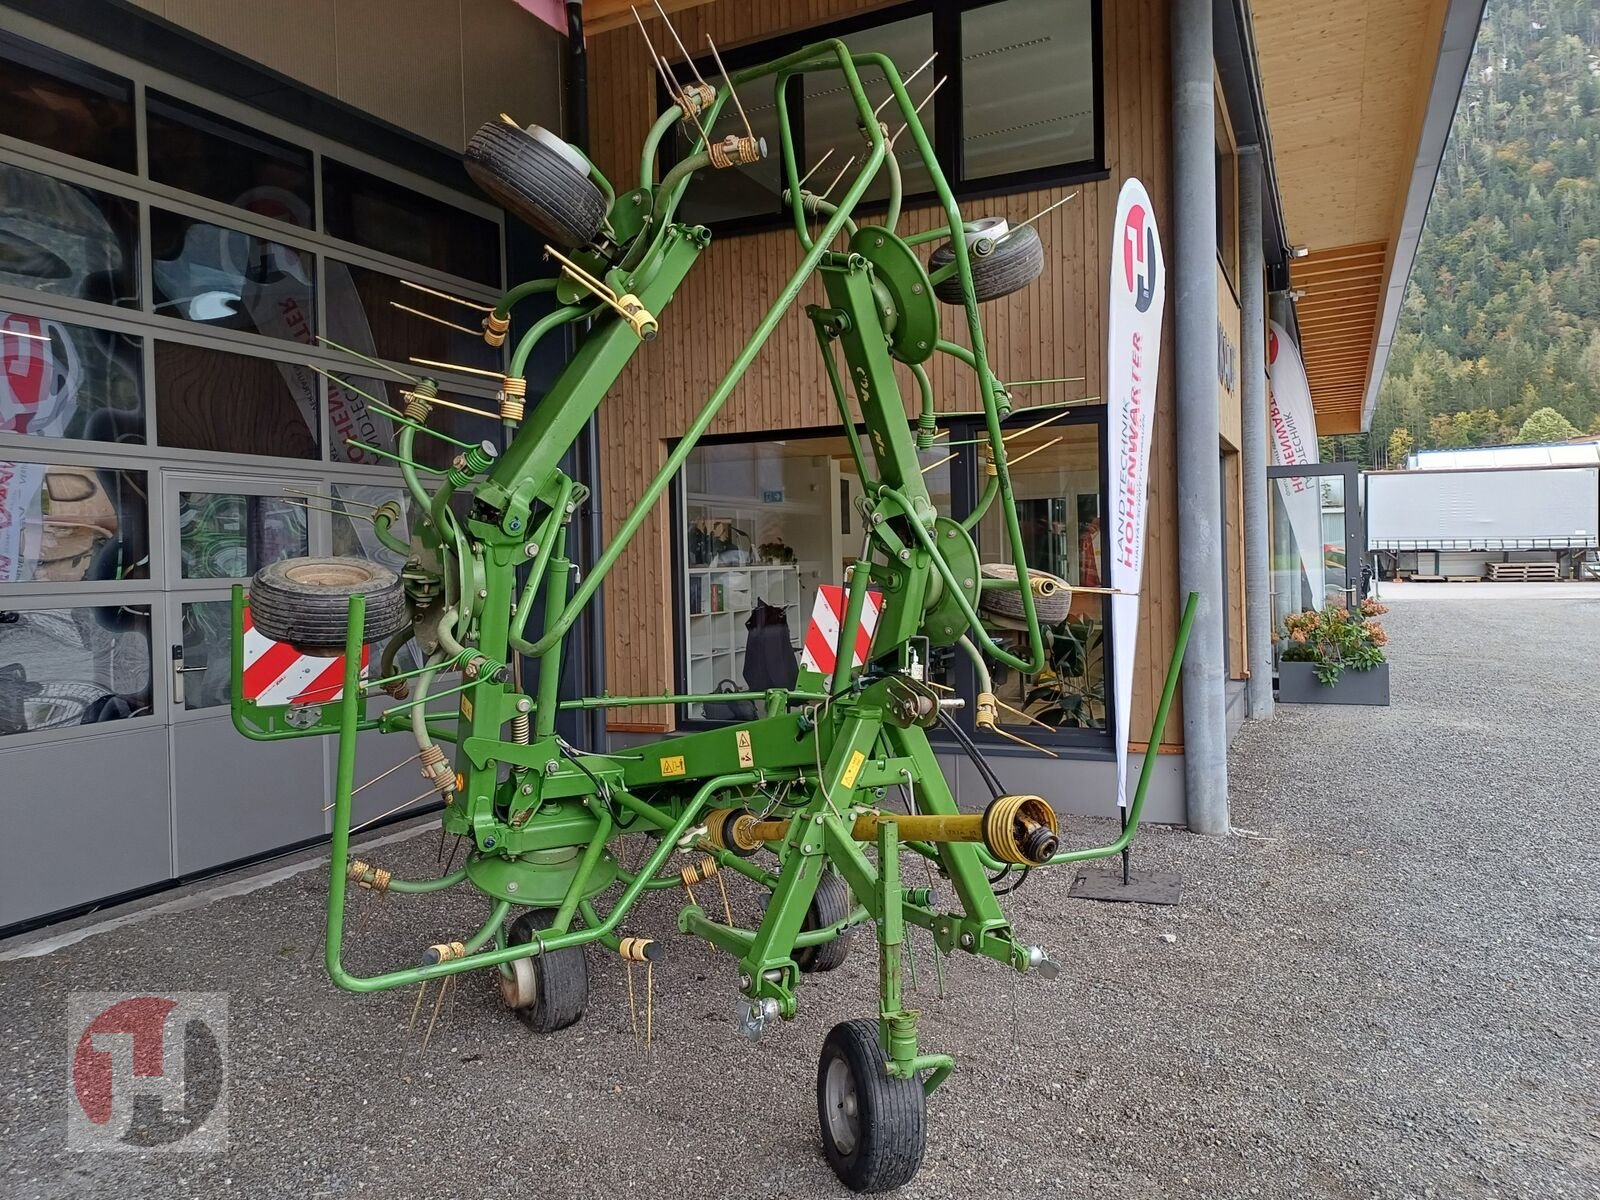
1546	425
1401	443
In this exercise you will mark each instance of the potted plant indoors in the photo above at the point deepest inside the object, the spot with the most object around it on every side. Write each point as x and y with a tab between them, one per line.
1334	657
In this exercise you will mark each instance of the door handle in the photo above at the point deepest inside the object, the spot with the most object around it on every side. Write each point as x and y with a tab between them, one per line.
178	672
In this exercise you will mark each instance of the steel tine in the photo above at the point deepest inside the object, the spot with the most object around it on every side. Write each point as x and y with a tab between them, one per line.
427	316
732	91
367	358
882	104
428	362
1042	212
473	304
826	156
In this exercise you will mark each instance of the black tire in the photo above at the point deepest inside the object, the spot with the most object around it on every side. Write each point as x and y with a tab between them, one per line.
878	1146
306	601
532	180
830	905
562	977
1016	261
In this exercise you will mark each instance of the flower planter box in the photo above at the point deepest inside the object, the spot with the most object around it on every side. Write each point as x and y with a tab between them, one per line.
1297	684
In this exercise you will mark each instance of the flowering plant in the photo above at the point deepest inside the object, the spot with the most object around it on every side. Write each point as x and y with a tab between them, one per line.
1336	638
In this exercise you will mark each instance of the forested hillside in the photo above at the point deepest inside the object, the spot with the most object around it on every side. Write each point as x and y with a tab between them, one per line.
1502	318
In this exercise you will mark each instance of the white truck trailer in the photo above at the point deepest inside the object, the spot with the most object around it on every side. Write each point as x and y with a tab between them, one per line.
1474	524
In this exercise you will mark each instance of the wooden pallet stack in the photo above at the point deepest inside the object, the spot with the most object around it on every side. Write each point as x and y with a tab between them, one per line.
1524	572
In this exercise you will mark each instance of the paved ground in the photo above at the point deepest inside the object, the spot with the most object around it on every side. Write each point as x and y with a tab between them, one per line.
1396	592
1388	988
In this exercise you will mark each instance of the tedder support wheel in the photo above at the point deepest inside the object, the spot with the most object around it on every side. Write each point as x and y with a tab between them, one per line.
306	601
1016	261
830	906
536	176
548	991
874	1125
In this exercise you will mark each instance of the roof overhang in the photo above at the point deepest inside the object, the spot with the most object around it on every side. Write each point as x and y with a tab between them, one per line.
1360	96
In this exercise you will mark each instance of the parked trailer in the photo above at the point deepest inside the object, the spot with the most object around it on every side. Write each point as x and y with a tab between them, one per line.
1466	523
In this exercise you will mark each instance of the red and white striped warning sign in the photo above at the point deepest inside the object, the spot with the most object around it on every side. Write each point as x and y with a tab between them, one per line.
277	673
822	635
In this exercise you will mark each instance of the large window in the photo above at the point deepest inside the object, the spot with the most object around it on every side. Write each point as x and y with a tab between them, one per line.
168	260
1019	106
764	523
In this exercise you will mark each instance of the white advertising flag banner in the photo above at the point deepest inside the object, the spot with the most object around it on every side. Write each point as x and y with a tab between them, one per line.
1294	444
1133	352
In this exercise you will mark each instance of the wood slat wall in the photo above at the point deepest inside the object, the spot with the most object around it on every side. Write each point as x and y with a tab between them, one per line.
1054	328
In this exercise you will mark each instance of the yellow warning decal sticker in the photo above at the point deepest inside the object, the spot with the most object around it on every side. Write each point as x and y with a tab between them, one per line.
747	756
673	765
466	708
848	779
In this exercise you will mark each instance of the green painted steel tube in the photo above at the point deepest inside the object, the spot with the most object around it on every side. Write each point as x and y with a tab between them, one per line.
343	786
650	885
855	602
588	702
652	144
991	489
413	887
555	603
1151	753
591	856
985	683
1027	666
521	292
645	505
927	235
491	928
891	165
404	977
382	525
546	537
841	401
551	320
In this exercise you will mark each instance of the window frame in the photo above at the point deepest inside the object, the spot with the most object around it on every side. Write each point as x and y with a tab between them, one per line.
965	488
153	456
948	108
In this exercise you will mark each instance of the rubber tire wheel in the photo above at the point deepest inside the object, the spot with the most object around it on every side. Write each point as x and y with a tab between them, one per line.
306	601
533	182
1015	262
563	977
829	905
891	1113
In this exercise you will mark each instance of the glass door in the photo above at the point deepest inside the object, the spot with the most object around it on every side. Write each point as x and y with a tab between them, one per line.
1317	540
233	797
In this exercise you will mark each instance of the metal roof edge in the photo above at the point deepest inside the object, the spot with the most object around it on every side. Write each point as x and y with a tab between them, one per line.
1456	42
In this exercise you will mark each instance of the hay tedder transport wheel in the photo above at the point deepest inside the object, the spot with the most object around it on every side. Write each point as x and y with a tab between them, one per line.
874	1125
548	991
830	906
536	176
1016	261
306	601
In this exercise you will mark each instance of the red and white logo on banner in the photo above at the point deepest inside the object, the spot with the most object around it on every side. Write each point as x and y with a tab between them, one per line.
277	673
822	635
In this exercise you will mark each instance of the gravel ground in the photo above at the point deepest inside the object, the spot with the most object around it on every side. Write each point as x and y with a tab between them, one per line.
1383	985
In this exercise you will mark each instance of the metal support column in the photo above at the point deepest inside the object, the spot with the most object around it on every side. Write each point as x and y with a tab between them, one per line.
1253	437
1199	436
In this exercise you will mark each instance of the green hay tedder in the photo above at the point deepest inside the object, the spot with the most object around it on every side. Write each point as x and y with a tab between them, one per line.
797	798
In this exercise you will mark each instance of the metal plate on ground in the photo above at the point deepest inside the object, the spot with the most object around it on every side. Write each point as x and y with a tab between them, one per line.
1143	887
